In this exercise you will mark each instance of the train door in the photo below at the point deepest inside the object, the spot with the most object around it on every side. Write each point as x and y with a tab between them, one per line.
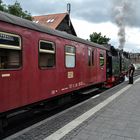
10	64
47	65
91	66
108	64
102	66
94	70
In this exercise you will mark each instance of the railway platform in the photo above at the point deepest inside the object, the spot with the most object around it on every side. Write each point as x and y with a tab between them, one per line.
113	115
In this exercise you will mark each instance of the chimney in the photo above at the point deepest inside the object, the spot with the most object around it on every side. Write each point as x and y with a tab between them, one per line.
68	10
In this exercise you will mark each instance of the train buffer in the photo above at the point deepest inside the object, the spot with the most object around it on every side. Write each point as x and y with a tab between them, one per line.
114	115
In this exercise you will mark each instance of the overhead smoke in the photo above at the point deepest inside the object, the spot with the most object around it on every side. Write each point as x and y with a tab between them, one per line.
122	12
119	19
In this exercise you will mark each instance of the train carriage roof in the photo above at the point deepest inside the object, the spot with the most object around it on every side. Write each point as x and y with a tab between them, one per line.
5	17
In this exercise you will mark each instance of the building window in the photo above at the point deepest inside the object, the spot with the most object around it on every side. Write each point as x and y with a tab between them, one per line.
50	20
70	56
46	54
10	51
101	59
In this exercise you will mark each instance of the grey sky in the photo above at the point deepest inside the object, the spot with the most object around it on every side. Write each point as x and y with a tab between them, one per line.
96	11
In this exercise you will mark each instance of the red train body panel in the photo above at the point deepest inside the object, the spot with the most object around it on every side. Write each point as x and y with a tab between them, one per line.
30	84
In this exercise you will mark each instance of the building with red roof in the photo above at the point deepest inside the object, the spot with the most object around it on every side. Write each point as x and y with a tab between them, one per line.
59	22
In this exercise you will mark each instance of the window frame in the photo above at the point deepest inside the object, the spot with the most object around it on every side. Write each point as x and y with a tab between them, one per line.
46	51
101	58
70	54
12	47
93	57
90	57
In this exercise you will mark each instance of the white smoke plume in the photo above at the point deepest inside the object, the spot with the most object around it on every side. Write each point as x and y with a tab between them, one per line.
122	12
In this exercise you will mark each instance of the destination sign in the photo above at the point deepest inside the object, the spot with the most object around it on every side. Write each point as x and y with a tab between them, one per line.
9	39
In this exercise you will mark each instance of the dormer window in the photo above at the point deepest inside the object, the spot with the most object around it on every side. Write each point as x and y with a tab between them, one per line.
50	20
36	21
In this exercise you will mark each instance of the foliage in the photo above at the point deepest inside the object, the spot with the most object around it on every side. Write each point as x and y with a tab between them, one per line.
2	6
98	38
15	9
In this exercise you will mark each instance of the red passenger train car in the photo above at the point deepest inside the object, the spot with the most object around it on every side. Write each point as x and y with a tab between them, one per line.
38	63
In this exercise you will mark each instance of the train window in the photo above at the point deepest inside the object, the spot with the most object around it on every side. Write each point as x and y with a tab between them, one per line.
101	59
70	54
10	51
46	54
92	57
89	57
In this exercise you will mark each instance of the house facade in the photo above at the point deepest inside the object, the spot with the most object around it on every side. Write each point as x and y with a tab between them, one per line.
59	22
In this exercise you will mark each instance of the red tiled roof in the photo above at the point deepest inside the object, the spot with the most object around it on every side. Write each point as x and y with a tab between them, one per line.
51	21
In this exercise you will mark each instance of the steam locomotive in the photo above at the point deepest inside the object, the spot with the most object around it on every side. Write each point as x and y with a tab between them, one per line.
38	64
117	66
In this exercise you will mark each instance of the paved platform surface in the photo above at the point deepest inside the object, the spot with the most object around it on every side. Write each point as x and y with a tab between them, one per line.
119	120
114	115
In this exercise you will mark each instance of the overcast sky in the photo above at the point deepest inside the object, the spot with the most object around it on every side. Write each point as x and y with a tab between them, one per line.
90	16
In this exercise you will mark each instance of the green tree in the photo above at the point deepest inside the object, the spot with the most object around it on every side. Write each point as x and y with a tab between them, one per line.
15	9
2	6
98	38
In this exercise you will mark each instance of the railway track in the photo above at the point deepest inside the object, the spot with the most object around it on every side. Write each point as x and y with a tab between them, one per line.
26	118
